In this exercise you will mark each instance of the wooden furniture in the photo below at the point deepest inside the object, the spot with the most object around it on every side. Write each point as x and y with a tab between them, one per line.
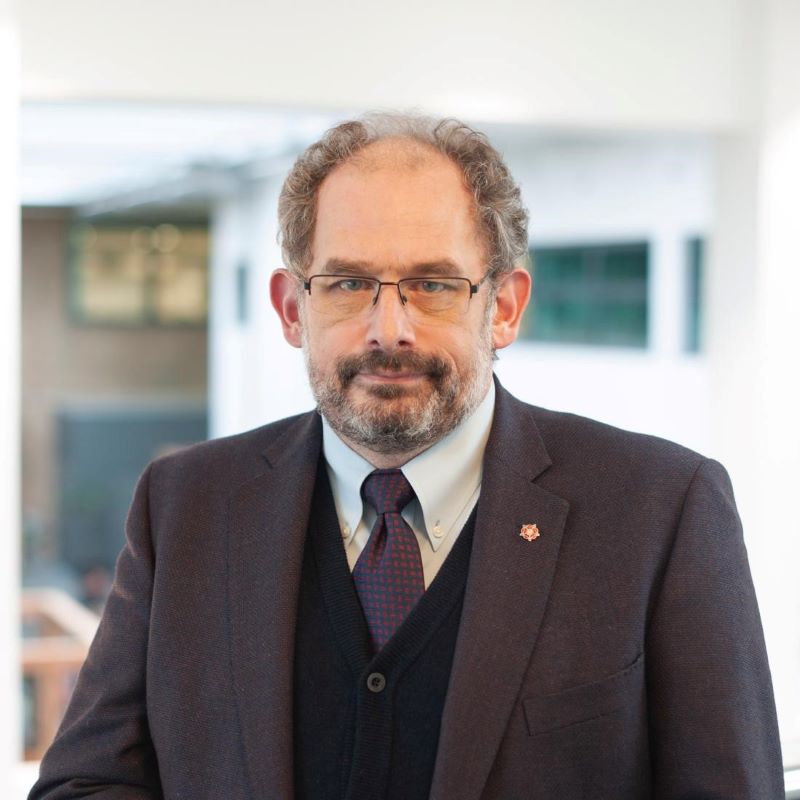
58	631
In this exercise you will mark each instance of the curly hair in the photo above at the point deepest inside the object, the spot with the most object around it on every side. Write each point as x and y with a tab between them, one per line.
500	214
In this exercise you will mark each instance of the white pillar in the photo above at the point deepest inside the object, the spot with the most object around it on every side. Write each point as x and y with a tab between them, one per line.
254	376
225	362
10	725
729	321
754	340
667	292
778	378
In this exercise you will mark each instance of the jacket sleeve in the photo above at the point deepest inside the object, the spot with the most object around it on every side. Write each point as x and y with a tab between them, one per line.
712	720
103	748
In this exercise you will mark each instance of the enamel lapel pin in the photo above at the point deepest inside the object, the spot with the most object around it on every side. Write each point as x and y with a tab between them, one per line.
529	532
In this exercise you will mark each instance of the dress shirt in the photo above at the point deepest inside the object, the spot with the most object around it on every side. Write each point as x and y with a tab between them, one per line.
446	479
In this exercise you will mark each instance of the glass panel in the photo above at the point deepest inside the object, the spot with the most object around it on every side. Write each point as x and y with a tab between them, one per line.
128	274
595	294
695	258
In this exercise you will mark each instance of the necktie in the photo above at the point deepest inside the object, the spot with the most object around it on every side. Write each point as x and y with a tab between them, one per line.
388	574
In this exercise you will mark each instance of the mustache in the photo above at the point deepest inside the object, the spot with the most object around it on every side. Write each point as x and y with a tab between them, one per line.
435	368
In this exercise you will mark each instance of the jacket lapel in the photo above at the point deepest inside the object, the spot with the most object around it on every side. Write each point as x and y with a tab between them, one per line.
268	517
507	589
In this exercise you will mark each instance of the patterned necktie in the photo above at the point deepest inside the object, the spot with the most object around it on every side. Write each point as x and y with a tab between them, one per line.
388	574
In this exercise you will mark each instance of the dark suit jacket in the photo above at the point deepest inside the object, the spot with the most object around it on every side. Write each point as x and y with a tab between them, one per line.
619	655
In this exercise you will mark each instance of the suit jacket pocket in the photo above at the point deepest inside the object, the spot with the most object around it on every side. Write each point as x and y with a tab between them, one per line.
583	703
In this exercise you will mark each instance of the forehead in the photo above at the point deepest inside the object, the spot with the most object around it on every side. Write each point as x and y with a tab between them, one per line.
395	205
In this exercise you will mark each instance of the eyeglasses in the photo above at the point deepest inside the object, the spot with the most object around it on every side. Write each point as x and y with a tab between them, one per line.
426	298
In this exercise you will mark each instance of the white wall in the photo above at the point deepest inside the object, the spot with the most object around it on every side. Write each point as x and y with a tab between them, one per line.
624	188
10	739
584	62
777	373
254	376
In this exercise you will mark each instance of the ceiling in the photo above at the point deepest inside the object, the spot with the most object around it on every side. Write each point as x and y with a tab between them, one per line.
87	154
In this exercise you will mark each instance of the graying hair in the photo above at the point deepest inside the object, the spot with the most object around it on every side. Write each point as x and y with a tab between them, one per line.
500	214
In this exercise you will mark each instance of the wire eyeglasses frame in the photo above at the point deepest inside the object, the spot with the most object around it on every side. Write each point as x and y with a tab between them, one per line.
436	281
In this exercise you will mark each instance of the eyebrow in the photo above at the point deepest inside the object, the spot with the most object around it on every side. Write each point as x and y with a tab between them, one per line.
338	266
440	267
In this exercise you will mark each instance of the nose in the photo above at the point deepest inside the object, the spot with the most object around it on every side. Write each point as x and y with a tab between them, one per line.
388	325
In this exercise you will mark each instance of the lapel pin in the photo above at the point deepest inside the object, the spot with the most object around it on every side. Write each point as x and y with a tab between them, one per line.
529	532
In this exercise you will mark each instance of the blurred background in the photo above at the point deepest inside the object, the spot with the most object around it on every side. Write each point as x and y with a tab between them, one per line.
142	149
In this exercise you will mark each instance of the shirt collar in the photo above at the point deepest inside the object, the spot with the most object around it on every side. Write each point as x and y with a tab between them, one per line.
346	472
445	477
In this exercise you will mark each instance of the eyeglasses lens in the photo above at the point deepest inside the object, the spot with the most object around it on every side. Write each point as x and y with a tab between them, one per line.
347	296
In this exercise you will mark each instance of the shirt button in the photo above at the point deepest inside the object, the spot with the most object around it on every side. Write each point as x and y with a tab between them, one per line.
437	531
345	531
376	682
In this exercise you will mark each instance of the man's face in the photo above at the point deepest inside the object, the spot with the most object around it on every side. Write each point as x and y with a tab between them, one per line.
386	383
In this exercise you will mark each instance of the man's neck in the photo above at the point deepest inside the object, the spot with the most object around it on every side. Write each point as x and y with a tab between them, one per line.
395	460
384	460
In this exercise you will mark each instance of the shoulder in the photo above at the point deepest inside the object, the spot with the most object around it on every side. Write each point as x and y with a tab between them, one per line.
626	489
228	461
570	437
588	456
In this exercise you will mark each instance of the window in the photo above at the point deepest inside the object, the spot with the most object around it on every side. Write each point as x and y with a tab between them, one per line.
590	294
695	258
125	273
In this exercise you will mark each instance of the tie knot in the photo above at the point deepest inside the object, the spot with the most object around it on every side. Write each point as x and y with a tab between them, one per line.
387	490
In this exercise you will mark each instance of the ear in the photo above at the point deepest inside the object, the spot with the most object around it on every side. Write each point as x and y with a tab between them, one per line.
510	302
283	294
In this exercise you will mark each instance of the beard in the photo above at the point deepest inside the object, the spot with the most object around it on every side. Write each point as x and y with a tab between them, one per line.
392	418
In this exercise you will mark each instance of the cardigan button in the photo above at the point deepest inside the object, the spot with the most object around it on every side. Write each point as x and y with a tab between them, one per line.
376	682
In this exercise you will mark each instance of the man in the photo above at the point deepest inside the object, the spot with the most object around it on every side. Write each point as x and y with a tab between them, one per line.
428	588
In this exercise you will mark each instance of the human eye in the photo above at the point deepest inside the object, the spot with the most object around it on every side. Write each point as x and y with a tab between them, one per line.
342	285
429	286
